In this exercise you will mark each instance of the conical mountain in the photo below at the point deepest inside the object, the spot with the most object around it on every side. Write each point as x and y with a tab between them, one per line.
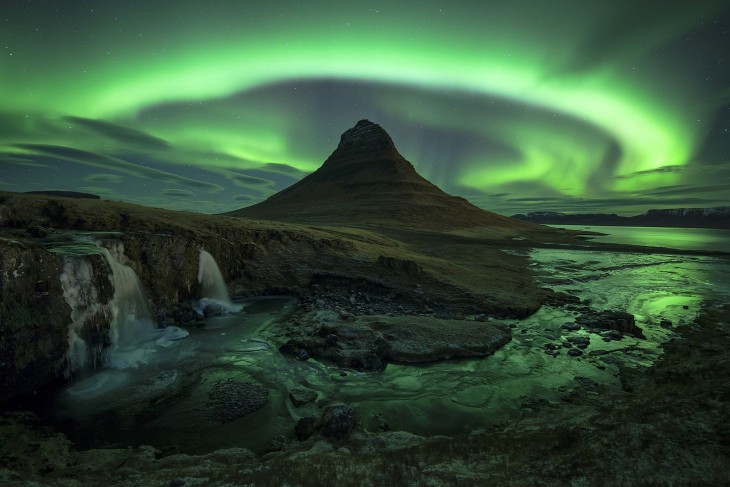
366	182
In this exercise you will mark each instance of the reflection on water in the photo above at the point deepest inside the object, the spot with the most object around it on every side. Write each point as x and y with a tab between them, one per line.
163	403
715	239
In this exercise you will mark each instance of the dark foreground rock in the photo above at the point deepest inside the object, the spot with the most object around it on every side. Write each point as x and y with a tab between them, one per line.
370	342
230	399
299	397
611	320
337	421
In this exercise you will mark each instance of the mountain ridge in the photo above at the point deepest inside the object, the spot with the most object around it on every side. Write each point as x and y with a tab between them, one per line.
713	217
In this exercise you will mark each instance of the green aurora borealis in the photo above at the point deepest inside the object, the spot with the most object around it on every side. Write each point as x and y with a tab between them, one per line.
518	105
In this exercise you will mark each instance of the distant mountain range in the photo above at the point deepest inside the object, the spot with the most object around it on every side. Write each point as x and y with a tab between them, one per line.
718	217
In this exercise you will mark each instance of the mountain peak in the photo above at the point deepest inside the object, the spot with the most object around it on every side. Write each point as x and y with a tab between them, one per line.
368	135
366	182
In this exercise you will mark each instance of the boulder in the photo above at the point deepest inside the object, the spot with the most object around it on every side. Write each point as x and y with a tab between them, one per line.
337	421
611	320
300	397
305	427
230	399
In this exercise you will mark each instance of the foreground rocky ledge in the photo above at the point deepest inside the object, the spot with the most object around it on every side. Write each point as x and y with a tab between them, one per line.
669	425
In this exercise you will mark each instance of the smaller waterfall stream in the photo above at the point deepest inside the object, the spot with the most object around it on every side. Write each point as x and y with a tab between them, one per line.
215	292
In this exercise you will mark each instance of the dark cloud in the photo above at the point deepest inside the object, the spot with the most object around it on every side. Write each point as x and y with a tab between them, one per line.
243	197
178	193
125	135
687	189
116	164
103	178
246	181
659	170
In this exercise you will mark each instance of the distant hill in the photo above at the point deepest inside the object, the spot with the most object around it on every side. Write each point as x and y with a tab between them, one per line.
366	182
67	194
718	217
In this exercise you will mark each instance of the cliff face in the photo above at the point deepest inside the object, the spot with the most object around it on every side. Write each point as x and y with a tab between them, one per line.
34	317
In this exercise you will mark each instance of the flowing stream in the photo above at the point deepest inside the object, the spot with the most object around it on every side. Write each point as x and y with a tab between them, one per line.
164	401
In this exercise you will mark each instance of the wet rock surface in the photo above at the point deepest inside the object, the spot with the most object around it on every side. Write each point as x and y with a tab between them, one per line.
618	321
300	397
370	342
337	421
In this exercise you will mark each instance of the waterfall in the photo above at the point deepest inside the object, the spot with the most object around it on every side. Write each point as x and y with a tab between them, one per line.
126	312
210	277
82	295
215	299
131	317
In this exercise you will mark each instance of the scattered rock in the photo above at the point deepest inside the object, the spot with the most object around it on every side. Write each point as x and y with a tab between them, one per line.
579	341
574	352
214	309
382	423
230	399
300	397
337	421
571	326
305	427
665	323
400	265
611	320
277	443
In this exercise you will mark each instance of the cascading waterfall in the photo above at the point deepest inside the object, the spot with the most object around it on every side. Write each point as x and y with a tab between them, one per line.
215	299
131	317
131	332
210	277
82	295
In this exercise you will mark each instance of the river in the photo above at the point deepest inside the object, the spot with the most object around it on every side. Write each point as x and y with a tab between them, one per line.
714	239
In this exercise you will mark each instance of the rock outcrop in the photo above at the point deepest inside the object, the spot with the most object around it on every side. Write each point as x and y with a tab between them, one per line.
370	342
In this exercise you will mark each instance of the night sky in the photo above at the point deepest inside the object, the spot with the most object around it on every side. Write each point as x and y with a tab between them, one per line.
576	106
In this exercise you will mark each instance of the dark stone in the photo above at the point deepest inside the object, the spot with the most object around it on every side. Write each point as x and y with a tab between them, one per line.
571	326
612	335
305	427
331	340
300	397
214	309
177	482
337	421
574	352
400	265
665	323
581	342
277	443
302	354
230	399
611	320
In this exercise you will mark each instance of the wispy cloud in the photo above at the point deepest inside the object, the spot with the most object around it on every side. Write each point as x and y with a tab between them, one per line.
113	163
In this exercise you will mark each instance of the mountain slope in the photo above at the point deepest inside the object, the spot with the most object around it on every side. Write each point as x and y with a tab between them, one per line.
366	182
